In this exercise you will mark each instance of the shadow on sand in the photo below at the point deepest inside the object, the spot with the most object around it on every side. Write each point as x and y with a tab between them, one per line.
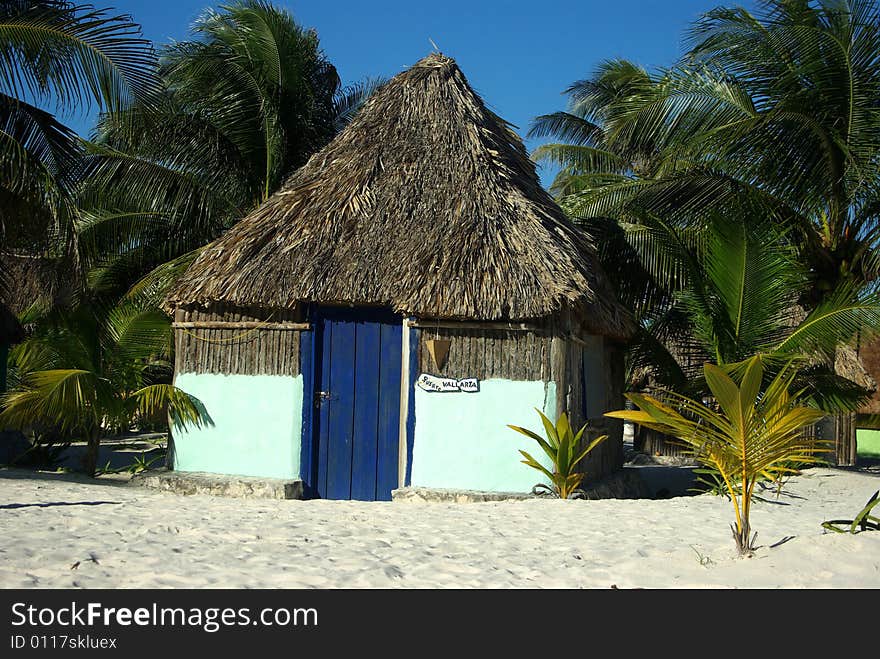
15	473
12	506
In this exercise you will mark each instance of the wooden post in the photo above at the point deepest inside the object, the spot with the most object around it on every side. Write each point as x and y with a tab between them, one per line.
241	325
404	404
559	373
845	444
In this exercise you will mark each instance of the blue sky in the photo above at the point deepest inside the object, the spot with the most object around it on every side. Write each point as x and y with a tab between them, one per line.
519	55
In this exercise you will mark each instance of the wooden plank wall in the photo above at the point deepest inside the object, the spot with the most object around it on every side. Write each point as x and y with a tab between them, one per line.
237	351
653	442
869	354
484	354
607	457
840	429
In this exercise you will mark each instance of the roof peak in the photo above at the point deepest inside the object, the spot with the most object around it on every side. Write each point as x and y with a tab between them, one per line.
435	60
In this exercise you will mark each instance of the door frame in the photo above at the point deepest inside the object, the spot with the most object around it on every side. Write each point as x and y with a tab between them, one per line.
409	373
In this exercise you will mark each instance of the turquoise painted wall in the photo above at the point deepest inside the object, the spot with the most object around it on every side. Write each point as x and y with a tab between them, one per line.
257	427
462	440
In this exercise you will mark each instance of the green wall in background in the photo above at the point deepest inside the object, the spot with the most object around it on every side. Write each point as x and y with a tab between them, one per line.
868	442
462	440
257	427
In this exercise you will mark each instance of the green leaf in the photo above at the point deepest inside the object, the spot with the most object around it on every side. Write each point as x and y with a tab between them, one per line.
75	55
531	462
726	393
549	450
550	429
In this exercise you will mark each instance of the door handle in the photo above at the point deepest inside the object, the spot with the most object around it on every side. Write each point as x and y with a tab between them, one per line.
321	396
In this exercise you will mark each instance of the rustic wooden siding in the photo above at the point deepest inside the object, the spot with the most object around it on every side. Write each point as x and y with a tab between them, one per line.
841	429
607	457
485	354
846	447
653	442
237	351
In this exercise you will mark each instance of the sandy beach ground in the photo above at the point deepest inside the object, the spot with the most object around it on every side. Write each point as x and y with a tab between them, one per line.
63	531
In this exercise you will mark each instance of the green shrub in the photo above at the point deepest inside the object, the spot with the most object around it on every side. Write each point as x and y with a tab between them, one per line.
748	435
562	446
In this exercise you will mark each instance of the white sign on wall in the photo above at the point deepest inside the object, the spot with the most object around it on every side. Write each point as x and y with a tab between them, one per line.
435	384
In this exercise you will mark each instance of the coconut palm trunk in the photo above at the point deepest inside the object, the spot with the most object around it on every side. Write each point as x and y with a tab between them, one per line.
90	459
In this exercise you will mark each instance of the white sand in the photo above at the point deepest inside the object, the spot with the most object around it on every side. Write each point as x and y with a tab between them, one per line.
143	538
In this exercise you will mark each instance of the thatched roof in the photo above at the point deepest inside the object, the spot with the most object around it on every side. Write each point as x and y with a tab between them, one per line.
428	203
690	356
34	278
869	357
848	364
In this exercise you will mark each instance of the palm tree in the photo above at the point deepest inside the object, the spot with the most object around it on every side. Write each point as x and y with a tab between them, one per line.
779	107
245	102
770	120
234	110
90	371
72	57
738	296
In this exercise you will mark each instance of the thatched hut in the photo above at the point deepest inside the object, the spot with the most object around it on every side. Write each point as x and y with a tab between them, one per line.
407	293
35	279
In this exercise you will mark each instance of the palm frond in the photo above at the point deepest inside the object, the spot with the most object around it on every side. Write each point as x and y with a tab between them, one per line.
75	55
754	274
154	285
183	409
581	158
135	334
350	99
837	319
565	126
62	397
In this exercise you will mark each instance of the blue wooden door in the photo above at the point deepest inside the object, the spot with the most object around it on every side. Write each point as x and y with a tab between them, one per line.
358	401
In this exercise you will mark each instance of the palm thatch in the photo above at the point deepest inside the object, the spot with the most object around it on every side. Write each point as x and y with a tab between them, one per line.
848	364
35	279
869	357
690	356
427	203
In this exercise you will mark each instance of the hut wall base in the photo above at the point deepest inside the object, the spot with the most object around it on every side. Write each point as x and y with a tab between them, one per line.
622	484
243	487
